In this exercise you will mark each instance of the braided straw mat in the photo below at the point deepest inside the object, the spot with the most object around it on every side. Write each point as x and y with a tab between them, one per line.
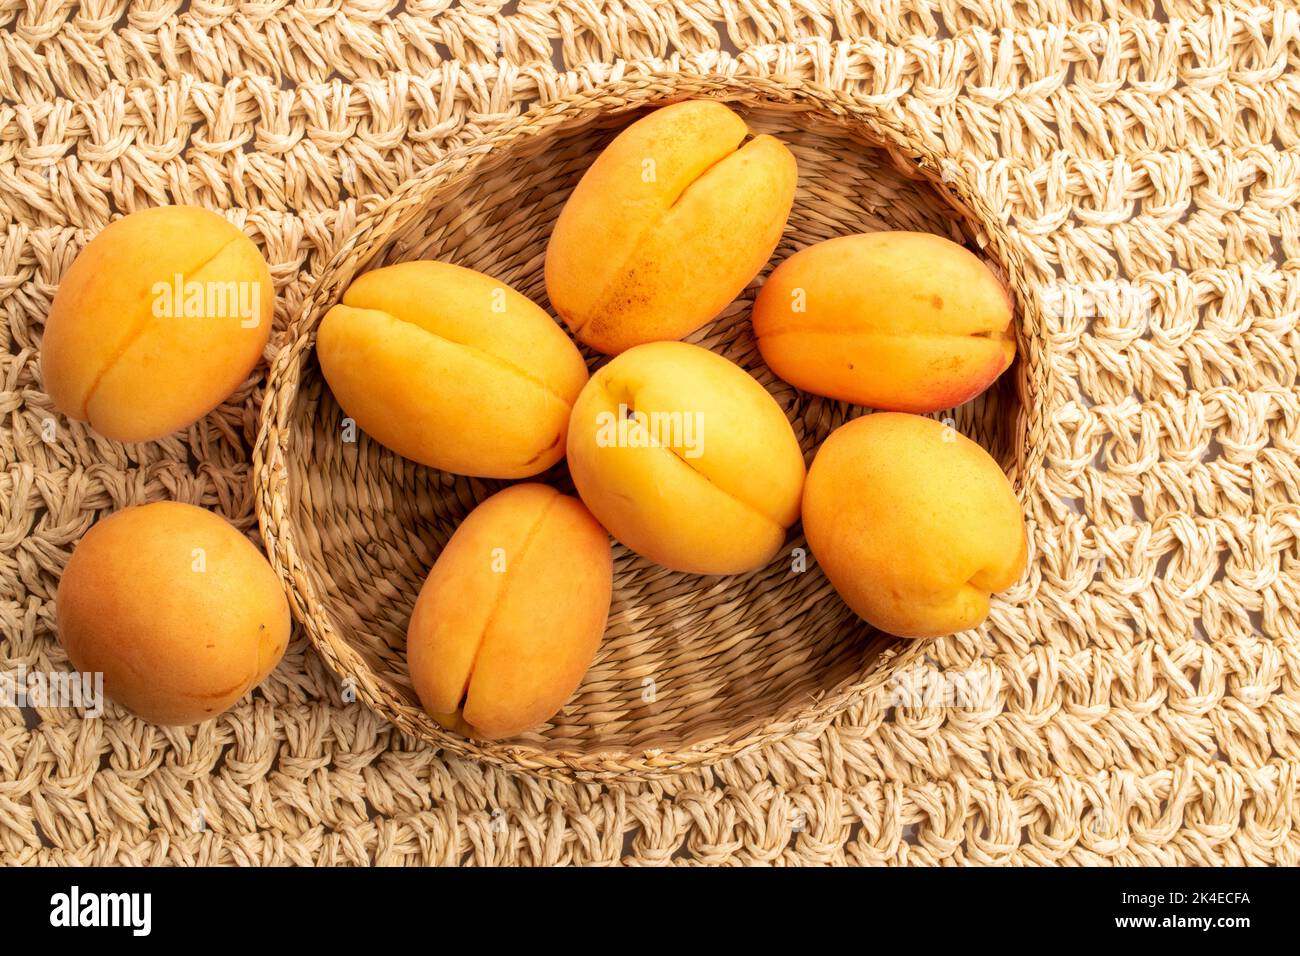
1147	669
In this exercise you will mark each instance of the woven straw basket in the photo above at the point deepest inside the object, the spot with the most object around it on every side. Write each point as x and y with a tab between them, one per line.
692	669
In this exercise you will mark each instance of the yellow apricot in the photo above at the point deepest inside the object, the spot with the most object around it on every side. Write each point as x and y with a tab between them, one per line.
905	321
914	524
158	319
452	368
175	607
511	614
686	459
668	226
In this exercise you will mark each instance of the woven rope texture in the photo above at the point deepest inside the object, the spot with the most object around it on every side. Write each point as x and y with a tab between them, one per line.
1138	172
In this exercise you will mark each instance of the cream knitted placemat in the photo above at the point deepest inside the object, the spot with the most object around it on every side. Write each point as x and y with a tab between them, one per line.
1145	700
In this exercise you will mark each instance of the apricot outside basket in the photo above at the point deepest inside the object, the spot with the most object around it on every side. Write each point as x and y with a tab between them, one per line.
692	670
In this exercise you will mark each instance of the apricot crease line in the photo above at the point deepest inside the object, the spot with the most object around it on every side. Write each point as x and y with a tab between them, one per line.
500	599
139	330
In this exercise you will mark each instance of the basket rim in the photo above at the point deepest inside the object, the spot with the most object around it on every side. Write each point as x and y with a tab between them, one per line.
371	233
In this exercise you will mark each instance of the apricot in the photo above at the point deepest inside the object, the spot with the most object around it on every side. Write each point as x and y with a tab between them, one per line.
686	459
670	223
905	321
914	524
175	607
452	368
512	613
156	322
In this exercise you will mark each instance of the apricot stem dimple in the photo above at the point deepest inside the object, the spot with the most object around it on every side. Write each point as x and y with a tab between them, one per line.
744	141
